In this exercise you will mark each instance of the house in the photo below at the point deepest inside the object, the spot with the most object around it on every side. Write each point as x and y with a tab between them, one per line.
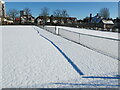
55	20
4	19
108	24
17	20
86	20
25	19
116	24
2	12
71	20
65	20
102	22
79	21
43	20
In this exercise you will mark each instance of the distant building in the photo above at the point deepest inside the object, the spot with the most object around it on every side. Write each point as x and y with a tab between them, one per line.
96	22
101	22
56	20
40	20
72	20
2	12
108	24
22	13
9	21
117	23
25	19
17	20
64	20
2	9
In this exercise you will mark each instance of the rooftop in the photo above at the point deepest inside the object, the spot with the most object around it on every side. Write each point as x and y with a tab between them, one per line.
107	21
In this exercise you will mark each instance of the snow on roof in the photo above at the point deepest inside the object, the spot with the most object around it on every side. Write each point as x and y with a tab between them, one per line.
5	19
107	21
10	21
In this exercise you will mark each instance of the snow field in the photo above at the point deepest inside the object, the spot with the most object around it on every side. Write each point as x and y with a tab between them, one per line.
31	61
52	29
0	57
82	55
89	62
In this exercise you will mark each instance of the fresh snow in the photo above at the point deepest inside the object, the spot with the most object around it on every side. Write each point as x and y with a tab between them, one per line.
35	58
0	57
102	42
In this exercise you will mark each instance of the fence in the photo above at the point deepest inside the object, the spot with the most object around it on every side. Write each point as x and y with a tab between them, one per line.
51	29
104	45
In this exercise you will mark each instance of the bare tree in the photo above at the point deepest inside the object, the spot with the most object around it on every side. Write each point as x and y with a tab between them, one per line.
64	13
104	12
44	13
60	14
27	11
12	13
57	13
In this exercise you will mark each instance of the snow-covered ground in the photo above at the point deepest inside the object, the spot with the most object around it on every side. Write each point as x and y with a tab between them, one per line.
90	32
35	58
103	42
0	57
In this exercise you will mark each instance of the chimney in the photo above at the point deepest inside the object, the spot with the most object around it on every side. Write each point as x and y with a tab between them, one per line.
51	19
97	14
90	17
